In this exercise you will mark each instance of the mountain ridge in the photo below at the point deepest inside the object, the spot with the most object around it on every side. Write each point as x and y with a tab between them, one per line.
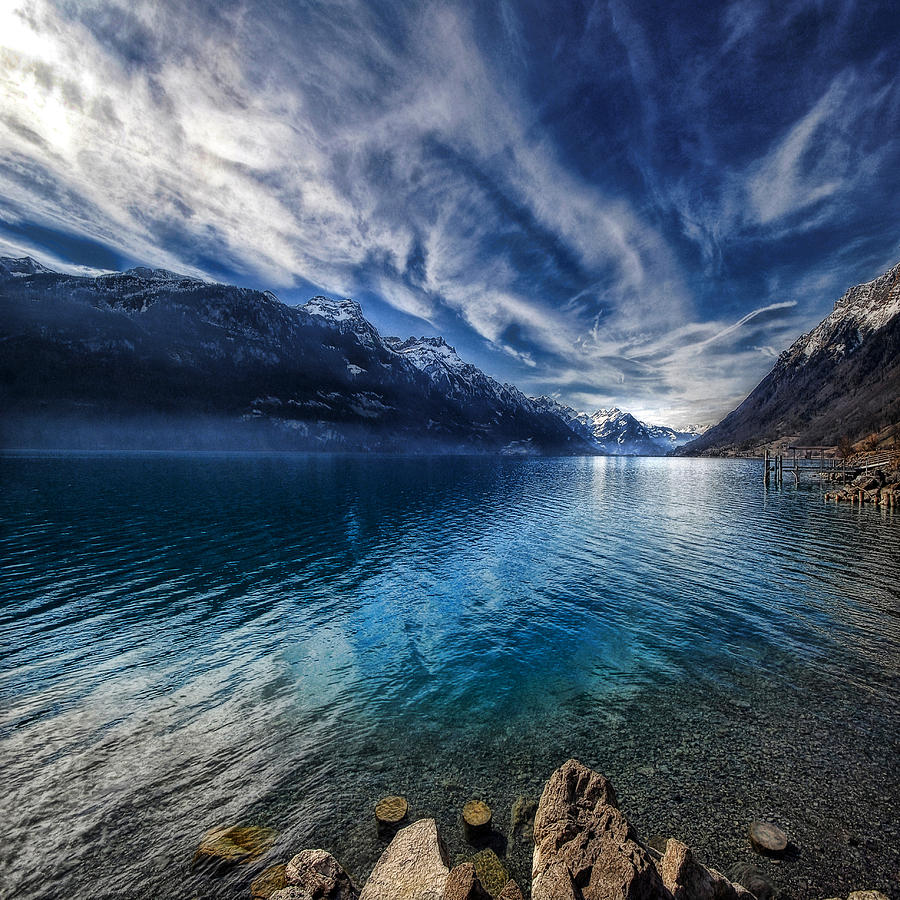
120	348
839	380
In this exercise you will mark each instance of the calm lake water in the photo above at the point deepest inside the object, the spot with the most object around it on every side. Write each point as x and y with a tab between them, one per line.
196	640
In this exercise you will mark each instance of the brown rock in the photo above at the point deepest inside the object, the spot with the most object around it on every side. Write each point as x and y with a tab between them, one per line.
234	844
521	819
511	892
267	882
753	879
463	884
413	867
390	813
316	875
491	872
584	846
687	879
476	815
767	838
867	895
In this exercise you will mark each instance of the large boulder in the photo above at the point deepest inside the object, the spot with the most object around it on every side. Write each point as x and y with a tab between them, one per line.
687	879
584	847
316	875
413	867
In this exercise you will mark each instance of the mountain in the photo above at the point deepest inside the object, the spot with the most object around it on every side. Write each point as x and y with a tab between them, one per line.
152	358
842	379
619	433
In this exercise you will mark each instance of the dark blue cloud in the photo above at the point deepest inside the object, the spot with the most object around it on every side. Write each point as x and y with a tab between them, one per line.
587	198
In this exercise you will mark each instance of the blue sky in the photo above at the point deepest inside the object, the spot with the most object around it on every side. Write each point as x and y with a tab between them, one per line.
610	202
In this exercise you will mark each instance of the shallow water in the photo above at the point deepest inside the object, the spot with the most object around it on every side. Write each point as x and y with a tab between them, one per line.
194	640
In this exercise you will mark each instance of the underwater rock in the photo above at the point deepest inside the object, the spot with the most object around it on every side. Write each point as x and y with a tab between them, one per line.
687	879
413	867
753	879
491	872
234	844
867	895
522	819
476	815
316	875
463	884
390	812
581	838
268	882
767	838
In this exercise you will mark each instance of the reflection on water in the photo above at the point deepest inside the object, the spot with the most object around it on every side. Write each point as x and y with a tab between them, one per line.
196	640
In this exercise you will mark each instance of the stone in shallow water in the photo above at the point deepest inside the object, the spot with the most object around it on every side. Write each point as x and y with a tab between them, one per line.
413	867
389	814
267	882
476	815
235	844
522	819
463	884
767	838
316	874
754	879
491	872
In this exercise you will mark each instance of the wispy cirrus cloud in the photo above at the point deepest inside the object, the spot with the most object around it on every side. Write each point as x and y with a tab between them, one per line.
579	205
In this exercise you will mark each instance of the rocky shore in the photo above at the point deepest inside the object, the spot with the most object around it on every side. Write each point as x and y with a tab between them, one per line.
584	848
880	488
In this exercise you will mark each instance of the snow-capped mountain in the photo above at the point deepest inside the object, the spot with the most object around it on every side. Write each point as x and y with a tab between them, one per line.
618	433
151	355
840	379
621	434
10	267
453	376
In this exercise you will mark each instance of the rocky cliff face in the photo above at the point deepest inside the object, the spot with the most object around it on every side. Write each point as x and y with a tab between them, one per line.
149	357
841	379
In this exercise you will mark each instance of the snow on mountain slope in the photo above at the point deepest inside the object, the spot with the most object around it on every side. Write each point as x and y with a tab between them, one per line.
25	265
619	433
120	346
842	379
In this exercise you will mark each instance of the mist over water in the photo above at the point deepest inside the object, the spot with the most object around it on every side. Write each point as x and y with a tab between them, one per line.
198	639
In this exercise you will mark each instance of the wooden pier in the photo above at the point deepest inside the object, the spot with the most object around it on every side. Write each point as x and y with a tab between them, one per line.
819	460
801	459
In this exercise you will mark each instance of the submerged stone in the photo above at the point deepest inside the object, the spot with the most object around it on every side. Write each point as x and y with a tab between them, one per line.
234	844
268	882
522	818
754	879
767	838
491	872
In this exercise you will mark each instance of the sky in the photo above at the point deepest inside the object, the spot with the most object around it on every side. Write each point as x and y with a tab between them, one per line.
612	203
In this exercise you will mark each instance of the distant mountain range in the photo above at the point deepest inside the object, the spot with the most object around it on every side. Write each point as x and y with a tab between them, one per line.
619	433
842	379
149	358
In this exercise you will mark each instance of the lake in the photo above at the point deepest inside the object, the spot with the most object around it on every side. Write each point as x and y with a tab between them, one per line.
200	639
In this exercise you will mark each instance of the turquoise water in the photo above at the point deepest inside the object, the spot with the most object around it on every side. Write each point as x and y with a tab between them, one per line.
194	640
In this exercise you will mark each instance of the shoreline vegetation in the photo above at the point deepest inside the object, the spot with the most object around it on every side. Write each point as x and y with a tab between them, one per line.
584	848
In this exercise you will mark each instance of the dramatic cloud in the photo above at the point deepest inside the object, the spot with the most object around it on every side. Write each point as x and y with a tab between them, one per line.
589	200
